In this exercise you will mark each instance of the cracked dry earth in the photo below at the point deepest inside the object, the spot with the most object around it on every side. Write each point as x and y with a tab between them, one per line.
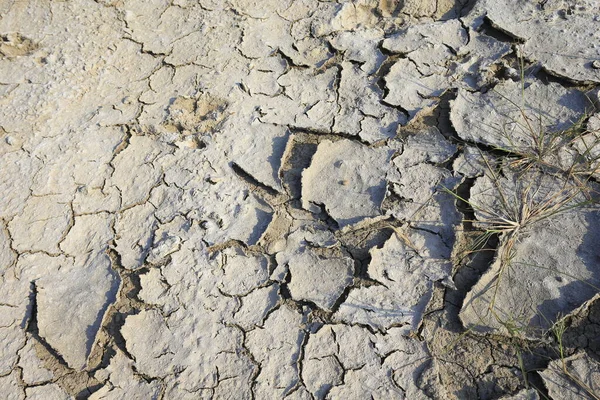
241	199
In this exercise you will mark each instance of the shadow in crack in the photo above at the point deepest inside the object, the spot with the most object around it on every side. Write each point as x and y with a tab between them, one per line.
278	146
263	219
111	297
377	193
298	160
459	9
30	323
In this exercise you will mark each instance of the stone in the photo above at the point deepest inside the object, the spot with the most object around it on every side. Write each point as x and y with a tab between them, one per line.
593	124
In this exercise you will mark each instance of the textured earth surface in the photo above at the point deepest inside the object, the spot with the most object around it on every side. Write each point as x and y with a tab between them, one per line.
299	199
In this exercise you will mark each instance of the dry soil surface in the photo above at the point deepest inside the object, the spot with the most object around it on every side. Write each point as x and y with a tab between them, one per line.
299	199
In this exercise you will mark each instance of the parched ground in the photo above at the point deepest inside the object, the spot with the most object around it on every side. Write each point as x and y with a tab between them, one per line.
299	199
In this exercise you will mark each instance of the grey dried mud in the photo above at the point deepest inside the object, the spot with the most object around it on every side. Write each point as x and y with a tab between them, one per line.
299	199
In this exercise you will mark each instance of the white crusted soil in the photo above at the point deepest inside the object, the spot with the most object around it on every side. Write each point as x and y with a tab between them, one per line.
561	35
240	199
347	179
547	269
575	377
405	269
